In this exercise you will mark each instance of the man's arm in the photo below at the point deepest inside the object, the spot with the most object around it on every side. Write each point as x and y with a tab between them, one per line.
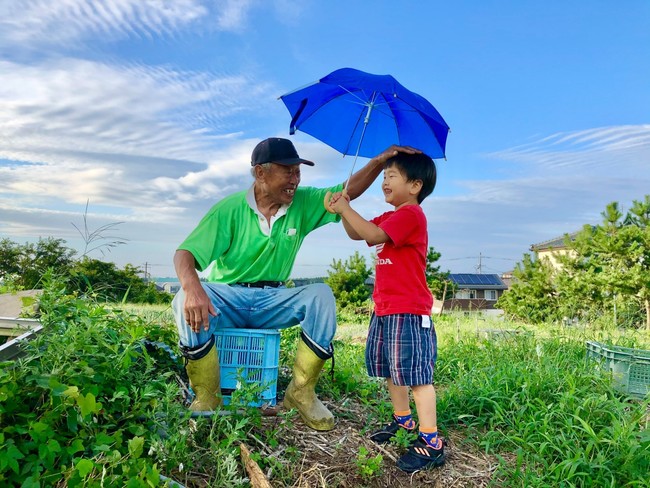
197	307
362	179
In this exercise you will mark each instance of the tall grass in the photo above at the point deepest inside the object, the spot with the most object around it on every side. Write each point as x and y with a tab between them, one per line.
541	400
527	396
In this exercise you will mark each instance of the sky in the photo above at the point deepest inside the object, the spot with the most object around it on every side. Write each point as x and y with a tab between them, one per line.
140	115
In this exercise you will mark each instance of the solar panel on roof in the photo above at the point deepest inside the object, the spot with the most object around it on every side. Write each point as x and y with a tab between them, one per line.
476	279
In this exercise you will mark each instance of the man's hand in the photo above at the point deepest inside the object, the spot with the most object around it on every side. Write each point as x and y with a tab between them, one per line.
393	151
362	179
198	309
339	203
328	198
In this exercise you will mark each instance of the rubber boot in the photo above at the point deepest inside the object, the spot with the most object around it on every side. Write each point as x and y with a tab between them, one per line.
205	381
300	393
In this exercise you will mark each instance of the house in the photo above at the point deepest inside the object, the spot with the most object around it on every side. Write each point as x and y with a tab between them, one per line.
475	291
507	278
170	287
550	250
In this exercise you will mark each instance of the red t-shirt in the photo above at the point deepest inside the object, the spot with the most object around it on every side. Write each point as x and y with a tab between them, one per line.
400	279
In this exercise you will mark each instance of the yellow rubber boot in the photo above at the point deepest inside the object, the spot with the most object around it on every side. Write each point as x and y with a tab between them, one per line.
205	381
300	393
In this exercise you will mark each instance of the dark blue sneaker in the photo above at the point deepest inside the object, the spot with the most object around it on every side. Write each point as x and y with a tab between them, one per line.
422	456
387	432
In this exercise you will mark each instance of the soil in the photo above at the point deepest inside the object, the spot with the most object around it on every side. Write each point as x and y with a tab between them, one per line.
329	459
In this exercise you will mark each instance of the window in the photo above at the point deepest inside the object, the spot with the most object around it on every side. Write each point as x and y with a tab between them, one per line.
490	295
465	294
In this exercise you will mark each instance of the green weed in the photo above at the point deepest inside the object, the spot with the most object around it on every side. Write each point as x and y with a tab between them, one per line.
368	466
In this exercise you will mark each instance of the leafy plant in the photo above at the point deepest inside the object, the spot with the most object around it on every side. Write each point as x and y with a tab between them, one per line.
369	466
88	404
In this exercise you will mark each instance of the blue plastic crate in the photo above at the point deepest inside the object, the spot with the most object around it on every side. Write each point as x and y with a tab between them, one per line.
253	354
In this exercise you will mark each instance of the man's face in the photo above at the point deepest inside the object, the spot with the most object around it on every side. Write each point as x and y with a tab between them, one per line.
280	182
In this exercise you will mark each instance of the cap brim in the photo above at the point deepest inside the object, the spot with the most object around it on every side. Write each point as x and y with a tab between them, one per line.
293	162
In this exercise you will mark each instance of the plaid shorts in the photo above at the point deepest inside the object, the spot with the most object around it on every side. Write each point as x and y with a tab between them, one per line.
400	348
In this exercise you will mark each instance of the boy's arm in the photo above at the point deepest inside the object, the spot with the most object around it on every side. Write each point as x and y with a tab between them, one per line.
355	225
367	231
352	234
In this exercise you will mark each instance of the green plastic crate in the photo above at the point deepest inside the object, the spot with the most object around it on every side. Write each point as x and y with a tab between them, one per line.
630	368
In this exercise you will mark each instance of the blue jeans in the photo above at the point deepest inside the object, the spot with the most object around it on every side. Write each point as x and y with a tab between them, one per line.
312	306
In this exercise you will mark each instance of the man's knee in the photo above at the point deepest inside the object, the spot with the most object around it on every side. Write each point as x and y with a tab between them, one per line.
323	293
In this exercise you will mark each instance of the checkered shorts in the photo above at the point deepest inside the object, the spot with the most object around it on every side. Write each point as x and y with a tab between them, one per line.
400	348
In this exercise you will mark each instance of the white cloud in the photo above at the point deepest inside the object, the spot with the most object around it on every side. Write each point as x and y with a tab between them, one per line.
619	149
113	133
232	14
39	22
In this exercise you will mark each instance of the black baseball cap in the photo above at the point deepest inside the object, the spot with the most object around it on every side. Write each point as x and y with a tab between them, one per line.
277	150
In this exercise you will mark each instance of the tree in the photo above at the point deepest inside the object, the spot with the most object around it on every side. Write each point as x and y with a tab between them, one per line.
436	280
612	260
29	262
607	270
348	280
109	283
10	253
532	295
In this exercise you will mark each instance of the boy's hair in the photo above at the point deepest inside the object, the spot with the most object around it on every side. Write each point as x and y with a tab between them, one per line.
416	167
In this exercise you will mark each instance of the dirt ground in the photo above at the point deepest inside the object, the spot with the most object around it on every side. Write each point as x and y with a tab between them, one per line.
329	458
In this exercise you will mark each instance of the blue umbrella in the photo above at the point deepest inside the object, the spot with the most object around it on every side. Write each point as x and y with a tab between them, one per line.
360	113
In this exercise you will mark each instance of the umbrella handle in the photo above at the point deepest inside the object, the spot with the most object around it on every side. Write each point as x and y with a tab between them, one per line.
328	196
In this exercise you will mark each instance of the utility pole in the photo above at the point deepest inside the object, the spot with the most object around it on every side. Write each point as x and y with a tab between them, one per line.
479	268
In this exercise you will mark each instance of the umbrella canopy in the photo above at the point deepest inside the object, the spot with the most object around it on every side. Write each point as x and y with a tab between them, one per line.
362	114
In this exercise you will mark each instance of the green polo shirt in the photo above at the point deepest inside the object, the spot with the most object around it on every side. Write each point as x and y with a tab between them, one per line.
230	236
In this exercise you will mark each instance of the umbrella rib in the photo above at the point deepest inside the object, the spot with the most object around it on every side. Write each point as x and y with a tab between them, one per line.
433	133
366	120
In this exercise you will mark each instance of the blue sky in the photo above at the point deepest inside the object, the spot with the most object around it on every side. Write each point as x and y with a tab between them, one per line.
149	110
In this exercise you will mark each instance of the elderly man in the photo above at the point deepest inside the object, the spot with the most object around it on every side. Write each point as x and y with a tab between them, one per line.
252	237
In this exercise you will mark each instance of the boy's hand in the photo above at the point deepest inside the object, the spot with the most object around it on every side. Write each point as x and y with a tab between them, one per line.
339	202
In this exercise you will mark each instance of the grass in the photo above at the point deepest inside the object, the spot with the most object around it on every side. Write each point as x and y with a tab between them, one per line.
525	394
548	406
526	397
531	397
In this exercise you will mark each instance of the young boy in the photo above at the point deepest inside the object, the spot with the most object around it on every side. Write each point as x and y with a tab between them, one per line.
401	345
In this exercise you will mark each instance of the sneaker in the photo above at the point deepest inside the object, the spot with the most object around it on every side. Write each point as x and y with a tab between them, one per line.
421	456
387	432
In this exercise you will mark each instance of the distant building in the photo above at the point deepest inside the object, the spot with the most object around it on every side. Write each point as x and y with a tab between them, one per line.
550	250
475	291
507	277
170	286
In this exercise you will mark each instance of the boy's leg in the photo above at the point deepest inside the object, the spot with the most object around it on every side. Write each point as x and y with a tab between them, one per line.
425	405
399	396
428	450
378	364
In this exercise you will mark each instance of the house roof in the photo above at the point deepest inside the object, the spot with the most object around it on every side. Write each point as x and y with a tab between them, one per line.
476	281
556	243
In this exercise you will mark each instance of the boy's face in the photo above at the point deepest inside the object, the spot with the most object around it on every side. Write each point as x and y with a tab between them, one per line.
397	190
